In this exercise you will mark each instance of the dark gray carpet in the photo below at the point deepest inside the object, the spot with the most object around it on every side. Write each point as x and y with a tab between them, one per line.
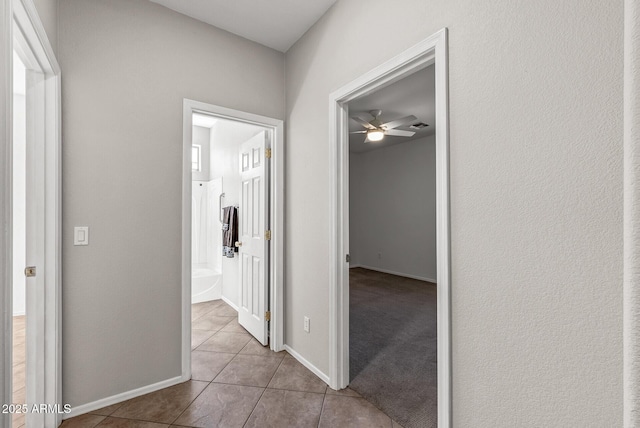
393	345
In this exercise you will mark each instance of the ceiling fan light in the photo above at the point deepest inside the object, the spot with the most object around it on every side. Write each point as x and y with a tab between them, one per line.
375	135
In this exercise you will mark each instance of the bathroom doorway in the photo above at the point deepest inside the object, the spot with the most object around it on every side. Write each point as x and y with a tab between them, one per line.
232	195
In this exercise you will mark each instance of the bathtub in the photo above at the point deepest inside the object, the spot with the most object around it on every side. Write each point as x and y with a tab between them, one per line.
206	284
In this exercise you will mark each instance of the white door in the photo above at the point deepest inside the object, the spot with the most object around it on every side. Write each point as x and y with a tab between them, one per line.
253	224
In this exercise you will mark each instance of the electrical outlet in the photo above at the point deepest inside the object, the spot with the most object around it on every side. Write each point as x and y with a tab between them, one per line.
307	321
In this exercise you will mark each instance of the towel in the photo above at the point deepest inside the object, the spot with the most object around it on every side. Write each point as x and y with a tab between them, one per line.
229	231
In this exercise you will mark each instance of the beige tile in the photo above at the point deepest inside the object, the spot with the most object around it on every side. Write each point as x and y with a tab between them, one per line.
225	342
128	423
19	377
198	337
347	391
18	420
83	421
221	406
107	411
211	321
19	354
255	348
279	409
233	327
19	396
162	406
341	411
207	365
251	370
294	376
224	310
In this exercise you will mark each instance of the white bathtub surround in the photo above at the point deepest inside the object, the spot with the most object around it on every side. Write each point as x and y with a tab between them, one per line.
206	241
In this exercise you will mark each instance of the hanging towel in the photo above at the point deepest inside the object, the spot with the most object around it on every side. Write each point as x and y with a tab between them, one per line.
229	231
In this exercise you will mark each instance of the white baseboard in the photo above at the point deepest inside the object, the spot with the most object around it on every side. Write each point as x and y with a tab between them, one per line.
406	275
354	266
230	303
118	398
19	313
307	364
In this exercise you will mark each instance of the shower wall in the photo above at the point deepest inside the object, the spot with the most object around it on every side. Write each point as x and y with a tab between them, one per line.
206	234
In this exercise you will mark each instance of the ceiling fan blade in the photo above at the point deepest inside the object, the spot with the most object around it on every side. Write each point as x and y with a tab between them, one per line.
358	132
363	122
399	122
367	140
399	133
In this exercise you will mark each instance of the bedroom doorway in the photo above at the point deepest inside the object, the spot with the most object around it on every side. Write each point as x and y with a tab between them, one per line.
430	52
392	241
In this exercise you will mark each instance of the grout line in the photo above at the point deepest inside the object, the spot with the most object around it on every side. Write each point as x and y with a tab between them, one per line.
263	391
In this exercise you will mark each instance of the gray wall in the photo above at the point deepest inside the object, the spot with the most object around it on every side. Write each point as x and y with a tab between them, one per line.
48	13
536	196
392	209
127	65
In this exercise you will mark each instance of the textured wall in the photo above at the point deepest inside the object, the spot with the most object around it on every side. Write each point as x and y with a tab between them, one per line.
632	215
127	65
536	196
48	13
392	209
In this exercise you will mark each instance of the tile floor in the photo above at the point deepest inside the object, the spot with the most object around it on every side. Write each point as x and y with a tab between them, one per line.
18	368
236	382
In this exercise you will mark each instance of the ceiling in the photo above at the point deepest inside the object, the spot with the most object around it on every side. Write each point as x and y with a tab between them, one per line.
277	24
413	95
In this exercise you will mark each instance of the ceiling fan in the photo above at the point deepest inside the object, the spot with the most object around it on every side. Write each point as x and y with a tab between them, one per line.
376	130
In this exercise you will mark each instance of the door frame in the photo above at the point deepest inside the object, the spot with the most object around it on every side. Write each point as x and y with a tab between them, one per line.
276	189
432	50
23	30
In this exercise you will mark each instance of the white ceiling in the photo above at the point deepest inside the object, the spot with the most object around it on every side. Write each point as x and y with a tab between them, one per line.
277	24
413	95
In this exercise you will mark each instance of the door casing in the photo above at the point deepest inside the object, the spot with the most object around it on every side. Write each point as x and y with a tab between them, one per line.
23	31
276	191
432	50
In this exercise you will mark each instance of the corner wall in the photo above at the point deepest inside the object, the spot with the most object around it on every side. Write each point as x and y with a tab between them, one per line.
536	196
127	66
392	209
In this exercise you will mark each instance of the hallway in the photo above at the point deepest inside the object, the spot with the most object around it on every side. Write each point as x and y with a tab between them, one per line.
236	382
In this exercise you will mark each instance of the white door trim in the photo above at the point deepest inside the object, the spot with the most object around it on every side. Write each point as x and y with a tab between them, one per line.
23	30
429	51
276	278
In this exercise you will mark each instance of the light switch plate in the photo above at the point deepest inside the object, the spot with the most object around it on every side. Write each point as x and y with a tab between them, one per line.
81	235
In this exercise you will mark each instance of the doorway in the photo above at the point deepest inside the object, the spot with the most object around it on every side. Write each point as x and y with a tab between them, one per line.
392	241
232	225
31	248
430	52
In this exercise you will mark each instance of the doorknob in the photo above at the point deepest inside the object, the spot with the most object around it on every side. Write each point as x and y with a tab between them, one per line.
238	244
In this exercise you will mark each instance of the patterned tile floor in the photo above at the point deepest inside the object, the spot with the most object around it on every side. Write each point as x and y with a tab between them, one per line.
236	382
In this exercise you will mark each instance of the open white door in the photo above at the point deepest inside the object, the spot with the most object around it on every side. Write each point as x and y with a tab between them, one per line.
253	224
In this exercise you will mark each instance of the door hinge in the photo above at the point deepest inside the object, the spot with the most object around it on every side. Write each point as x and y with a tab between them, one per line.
267	316
348	258
30	271
267	235
267	153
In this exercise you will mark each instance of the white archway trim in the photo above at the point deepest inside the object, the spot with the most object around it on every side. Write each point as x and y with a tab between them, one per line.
432	50
631	286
